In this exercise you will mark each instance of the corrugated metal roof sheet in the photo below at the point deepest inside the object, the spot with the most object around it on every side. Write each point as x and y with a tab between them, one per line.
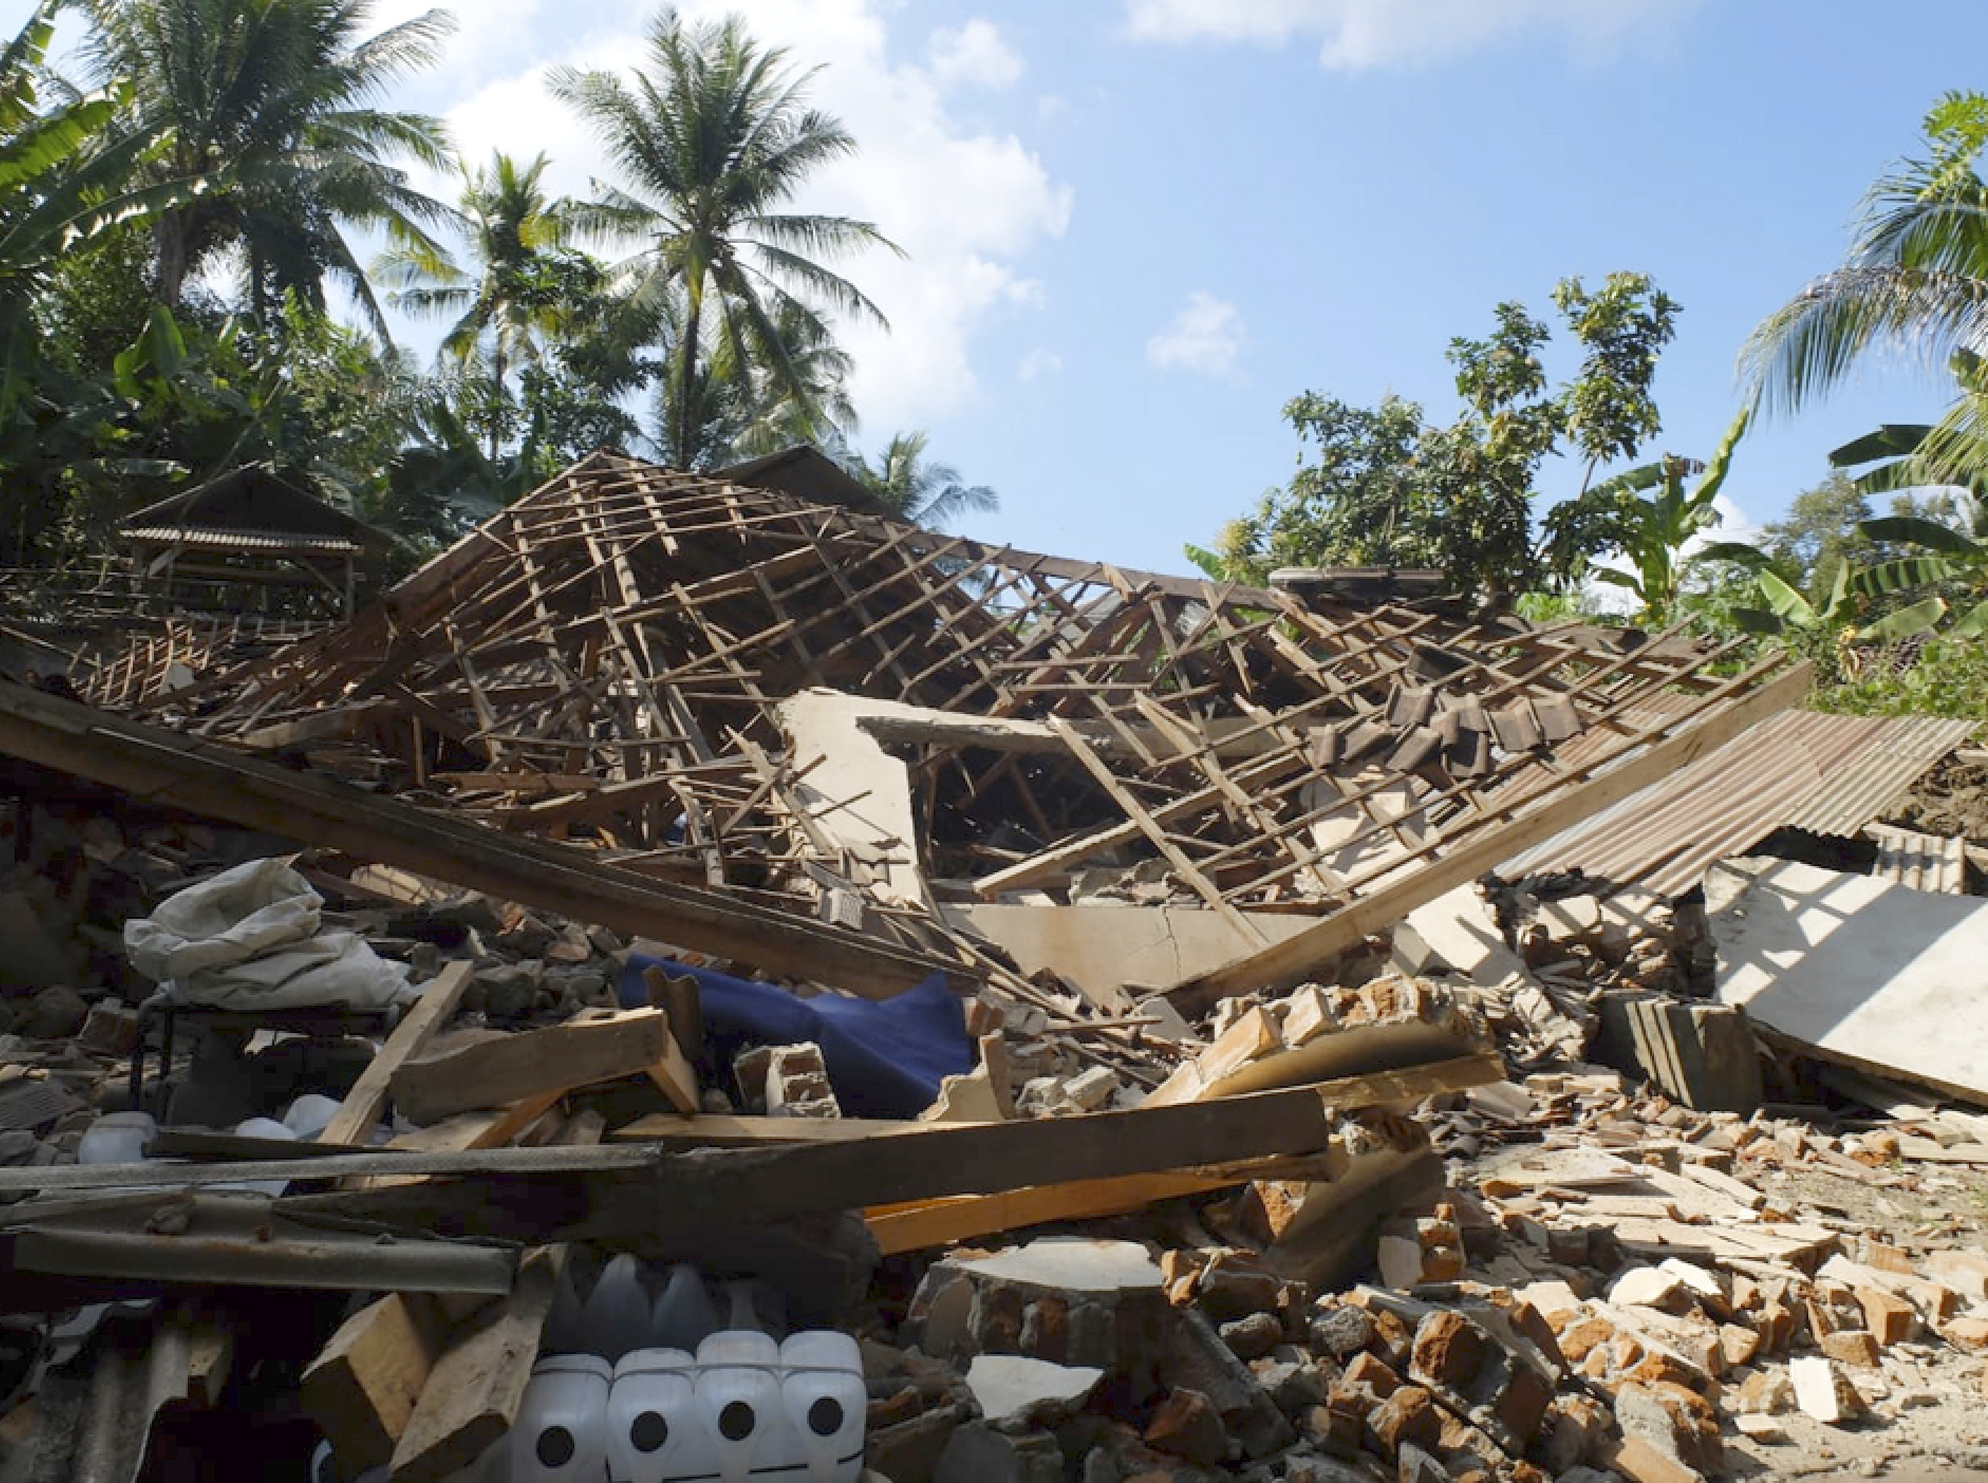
1851	798
238	540
1825	774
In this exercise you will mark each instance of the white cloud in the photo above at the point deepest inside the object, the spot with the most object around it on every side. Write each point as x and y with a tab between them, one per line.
1206	337
1039	363
975	54
965	204
1357	34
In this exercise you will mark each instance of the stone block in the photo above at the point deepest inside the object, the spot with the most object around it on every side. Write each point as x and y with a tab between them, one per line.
976	1453
1702	1055
1854	1347
1254	1336
1409	1415
110	1030
1187	1425
1341	1330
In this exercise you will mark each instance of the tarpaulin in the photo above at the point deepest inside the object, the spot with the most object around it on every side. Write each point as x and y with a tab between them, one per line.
885	1058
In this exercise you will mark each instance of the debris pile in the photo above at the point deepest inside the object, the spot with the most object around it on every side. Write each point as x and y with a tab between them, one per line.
1071	985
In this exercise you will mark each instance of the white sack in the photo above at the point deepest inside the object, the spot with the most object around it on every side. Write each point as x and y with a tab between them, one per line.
229	918
248	939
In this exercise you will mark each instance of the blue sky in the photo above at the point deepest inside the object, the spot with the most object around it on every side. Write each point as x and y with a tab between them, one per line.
1137	227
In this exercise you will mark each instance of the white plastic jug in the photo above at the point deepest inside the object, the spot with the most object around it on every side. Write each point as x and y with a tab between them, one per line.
684	1315
261	1127
740	1404
616	1318
654	1431
826	1402
310	1115
117	1138
560	1435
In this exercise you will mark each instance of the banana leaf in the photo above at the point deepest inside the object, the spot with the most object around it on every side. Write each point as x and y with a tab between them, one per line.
1906	623
1915	531
1904	574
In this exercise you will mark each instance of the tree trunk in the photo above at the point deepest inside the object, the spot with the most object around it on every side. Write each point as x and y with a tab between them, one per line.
687	371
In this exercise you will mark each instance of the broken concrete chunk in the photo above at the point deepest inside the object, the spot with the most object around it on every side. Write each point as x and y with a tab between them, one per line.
1647	1287
1016	1391
1676	1421
1069	1301
1092	1089
1823	1391
977	1453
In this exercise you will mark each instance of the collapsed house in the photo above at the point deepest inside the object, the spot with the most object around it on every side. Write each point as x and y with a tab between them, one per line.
1092	886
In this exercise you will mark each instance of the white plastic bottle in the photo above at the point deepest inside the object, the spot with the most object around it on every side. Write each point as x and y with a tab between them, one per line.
654	1430
560	1435
740	1404
826	1403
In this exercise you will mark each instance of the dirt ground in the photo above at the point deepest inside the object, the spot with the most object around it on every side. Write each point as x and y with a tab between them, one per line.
1951	799
1929	1412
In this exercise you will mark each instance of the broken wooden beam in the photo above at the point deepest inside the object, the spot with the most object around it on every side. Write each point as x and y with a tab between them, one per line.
169	769
655	1195
474	1390
365	1103
500	1069
362	1388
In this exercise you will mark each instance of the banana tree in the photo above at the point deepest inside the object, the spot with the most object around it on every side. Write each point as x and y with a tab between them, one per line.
1949	558
1654	530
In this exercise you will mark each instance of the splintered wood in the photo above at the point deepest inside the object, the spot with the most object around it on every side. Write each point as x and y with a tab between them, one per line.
604	662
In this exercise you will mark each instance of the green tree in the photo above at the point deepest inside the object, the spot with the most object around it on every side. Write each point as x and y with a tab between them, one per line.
1656	520
919	490
72	179
276	103
1818	537
1383	488
713	141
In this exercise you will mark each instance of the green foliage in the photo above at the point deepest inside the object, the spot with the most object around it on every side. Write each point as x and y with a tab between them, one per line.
1948	677
1818	535
1385	489
1651	518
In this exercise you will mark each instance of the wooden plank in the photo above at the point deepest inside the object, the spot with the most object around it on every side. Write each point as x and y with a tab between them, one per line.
363	1387
1288	961
171	769
664	1195
919	1225
746	1132
474	1390
594	1046
363	1105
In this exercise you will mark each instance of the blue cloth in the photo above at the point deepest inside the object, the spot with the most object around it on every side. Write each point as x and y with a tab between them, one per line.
885	1057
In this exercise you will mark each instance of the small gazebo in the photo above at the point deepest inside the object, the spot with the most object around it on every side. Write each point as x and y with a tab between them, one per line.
251	541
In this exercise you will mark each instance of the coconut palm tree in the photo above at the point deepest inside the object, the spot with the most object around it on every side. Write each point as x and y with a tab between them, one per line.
713	141
1915	280
277	102
924	493
523	289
